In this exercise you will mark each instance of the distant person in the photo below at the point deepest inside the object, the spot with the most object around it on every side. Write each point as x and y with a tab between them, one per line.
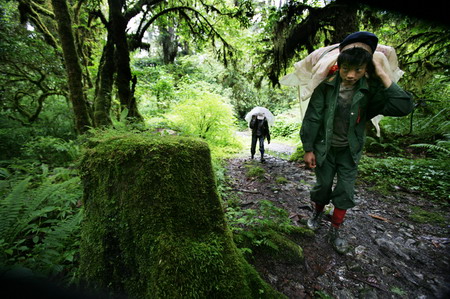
333	129
260	131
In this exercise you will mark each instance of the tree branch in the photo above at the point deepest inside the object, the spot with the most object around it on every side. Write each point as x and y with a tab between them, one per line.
39	9
137	8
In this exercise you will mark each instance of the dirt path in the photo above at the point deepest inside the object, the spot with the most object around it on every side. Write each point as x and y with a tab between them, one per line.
390	256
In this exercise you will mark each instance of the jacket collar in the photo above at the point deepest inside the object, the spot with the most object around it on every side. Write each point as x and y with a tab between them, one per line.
335	80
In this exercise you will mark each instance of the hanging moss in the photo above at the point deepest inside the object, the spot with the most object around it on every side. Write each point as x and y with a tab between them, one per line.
154	226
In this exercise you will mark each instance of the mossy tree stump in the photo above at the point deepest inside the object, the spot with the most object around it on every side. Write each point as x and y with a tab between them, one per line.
154	226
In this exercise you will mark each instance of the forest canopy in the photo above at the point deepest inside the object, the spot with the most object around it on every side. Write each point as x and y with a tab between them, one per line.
96	55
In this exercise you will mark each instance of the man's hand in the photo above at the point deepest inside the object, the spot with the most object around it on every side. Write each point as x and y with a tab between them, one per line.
379	71
310	160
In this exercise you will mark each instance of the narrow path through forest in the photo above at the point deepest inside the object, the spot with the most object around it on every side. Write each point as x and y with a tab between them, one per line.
390	256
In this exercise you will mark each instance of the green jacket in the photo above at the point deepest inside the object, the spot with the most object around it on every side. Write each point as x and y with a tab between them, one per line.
370	99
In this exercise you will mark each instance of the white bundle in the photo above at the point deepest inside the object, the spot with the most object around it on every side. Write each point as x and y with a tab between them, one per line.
313	69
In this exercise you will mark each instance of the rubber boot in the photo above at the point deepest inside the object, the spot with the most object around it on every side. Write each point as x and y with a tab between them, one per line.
339	244
262	157
314	222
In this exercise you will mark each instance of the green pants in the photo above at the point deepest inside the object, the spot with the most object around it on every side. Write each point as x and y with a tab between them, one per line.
338	162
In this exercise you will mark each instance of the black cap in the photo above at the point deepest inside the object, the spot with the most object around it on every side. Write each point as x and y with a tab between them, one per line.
365	37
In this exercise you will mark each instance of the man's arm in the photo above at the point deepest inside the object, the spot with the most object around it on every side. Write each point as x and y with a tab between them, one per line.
311	125
313	119
252	121
379	71
390	101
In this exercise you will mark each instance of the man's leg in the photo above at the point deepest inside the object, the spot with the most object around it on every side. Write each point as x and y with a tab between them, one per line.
261	147
320	194
342	196
253	146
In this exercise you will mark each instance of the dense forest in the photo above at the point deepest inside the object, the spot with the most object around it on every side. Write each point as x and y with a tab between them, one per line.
77	71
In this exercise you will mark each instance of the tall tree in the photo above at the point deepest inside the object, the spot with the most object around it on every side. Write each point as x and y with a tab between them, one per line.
114	67
29	72
169	43
115	62
73	68
118	26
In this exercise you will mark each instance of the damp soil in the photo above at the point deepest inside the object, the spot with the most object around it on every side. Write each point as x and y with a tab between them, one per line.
389	256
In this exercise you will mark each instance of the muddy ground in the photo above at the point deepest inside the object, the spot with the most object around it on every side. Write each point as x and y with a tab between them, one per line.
390	256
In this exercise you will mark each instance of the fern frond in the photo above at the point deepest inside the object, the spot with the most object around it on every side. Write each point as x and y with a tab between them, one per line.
54	249
432	148
10	210
51	195
433	119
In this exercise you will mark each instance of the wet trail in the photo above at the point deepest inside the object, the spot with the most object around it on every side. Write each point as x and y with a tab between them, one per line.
390	256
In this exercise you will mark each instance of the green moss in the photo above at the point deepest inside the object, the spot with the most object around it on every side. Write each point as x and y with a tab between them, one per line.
281	180
273	244
255	172
287	250
297	156
421	216
154	226
301	232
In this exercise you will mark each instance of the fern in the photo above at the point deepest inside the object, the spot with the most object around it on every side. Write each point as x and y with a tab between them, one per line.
56	247
10	209
433	148
39	226
434	119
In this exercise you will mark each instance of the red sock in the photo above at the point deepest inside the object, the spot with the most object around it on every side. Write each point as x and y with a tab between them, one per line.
319	208
338	217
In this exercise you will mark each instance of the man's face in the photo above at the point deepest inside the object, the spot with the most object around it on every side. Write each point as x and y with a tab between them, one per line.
351	74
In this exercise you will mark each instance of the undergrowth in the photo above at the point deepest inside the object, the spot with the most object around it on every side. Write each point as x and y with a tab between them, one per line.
427	178
255	227
39	223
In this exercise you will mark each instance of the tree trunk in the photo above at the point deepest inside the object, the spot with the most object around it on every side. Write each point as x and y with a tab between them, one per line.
154	225
169	43
345	21
118	25
73	68
104	85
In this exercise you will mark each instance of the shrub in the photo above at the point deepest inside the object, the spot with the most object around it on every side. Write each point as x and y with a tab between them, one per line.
51	150
12	141
205	114
286	126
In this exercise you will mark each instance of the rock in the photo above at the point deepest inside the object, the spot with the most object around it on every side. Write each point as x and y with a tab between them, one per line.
390	248
418	275
360	250
272	278
410	242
